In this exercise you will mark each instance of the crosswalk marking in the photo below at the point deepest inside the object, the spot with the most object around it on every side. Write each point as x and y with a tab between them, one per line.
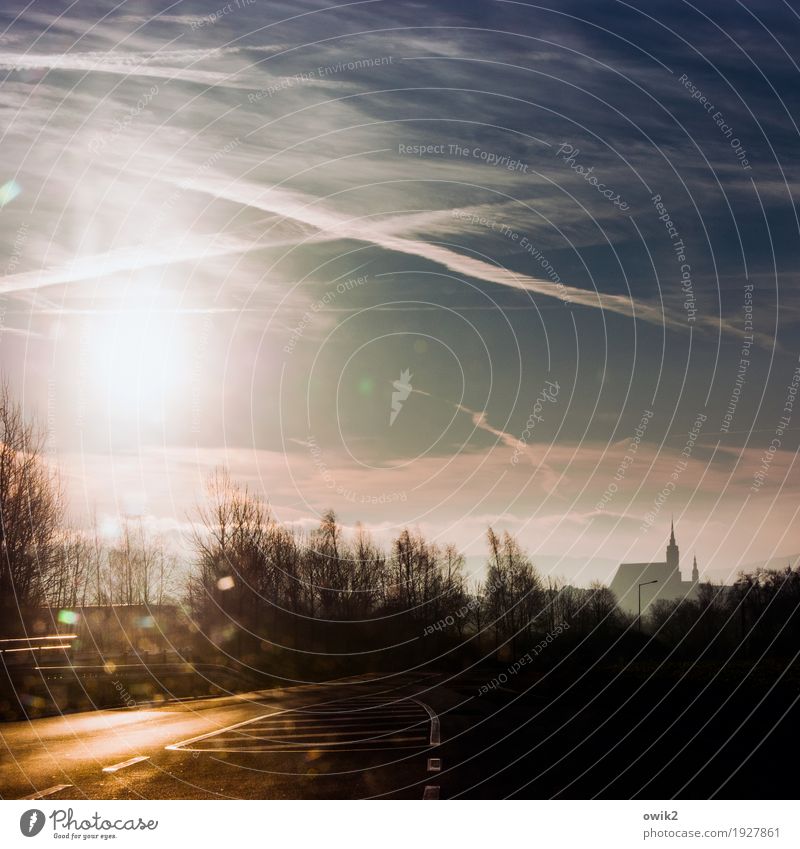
312	745
359	734
353	724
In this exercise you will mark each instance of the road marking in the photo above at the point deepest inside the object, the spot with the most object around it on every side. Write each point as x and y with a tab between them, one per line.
436	733
309	747
182	743
434	764
314	745
431	791
349	719
259	733
49	792
173	746
123	764
351	723
367	710
360	734
289	715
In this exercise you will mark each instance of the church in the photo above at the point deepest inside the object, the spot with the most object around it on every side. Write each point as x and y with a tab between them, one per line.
667	575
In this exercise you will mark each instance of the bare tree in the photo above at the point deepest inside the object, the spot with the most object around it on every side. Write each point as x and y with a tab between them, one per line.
31	510
138	569
514	591
602	605
368	579
235	578
68	582
329	555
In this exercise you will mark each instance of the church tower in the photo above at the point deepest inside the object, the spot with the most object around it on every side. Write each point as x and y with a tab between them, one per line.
695	572
673	554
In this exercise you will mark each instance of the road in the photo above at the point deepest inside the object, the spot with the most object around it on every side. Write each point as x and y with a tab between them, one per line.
372	737
358	738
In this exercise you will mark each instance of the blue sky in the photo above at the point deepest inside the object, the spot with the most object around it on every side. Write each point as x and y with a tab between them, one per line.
237	227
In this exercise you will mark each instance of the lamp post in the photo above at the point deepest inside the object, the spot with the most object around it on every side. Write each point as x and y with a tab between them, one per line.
643	584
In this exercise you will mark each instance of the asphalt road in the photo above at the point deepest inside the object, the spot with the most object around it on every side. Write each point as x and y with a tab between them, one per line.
372	737
357	738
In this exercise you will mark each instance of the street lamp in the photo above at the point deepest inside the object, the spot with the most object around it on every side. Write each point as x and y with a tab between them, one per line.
643	584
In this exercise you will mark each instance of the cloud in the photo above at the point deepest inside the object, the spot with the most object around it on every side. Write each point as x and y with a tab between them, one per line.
454	498
479	420
19	331
149	255
128	64
333	225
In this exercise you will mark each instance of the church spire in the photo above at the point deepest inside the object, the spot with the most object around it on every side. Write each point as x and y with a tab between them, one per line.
695	572
673	554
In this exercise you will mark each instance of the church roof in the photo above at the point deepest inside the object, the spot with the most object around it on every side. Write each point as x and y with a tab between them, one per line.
630	574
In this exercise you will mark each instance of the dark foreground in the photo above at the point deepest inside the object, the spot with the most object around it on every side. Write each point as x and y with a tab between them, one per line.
686	733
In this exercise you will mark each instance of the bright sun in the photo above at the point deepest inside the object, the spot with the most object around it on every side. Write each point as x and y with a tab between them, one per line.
139	359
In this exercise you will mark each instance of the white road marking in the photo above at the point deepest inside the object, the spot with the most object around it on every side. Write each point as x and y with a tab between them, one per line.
431	791
311	745
345	719
334	718
375	710
123	764
436	733
434	764
309	748
361	734
340	726
182	743
49	792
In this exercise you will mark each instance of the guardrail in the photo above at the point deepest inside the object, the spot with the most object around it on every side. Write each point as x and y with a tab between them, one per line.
14	649
46	688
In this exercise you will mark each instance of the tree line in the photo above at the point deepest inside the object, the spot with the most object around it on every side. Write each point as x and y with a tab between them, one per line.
267	594
758	615
45	561
257	588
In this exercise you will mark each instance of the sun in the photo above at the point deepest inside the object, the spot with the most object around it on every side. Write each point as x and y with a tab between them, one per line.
138	357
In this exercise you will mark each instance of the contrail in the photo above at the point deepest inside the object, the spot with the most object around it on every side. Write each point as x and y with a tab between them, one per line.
402	391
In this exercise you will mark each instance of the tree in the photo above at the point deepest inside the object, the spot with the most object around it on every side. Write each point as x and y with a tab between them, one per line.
602	605
330	565
31	510
140	569
514	593
68	584
234	577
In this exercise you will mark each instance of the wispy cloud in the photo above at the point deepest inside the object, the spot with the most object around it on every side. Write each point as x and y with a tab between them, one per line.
168	64
334	225
478	417
150	255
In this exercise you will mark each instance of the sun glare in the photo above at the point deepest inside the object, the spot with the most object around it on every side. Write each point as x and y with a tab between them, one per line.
139	359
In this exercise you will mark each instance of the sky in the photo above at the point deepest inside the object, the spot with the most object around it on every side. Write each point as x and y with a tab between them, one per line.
428	264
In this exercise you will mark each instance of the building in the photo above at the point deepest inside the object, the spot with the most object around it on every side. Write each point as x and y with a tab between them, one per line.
127	633
130	630
669	584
